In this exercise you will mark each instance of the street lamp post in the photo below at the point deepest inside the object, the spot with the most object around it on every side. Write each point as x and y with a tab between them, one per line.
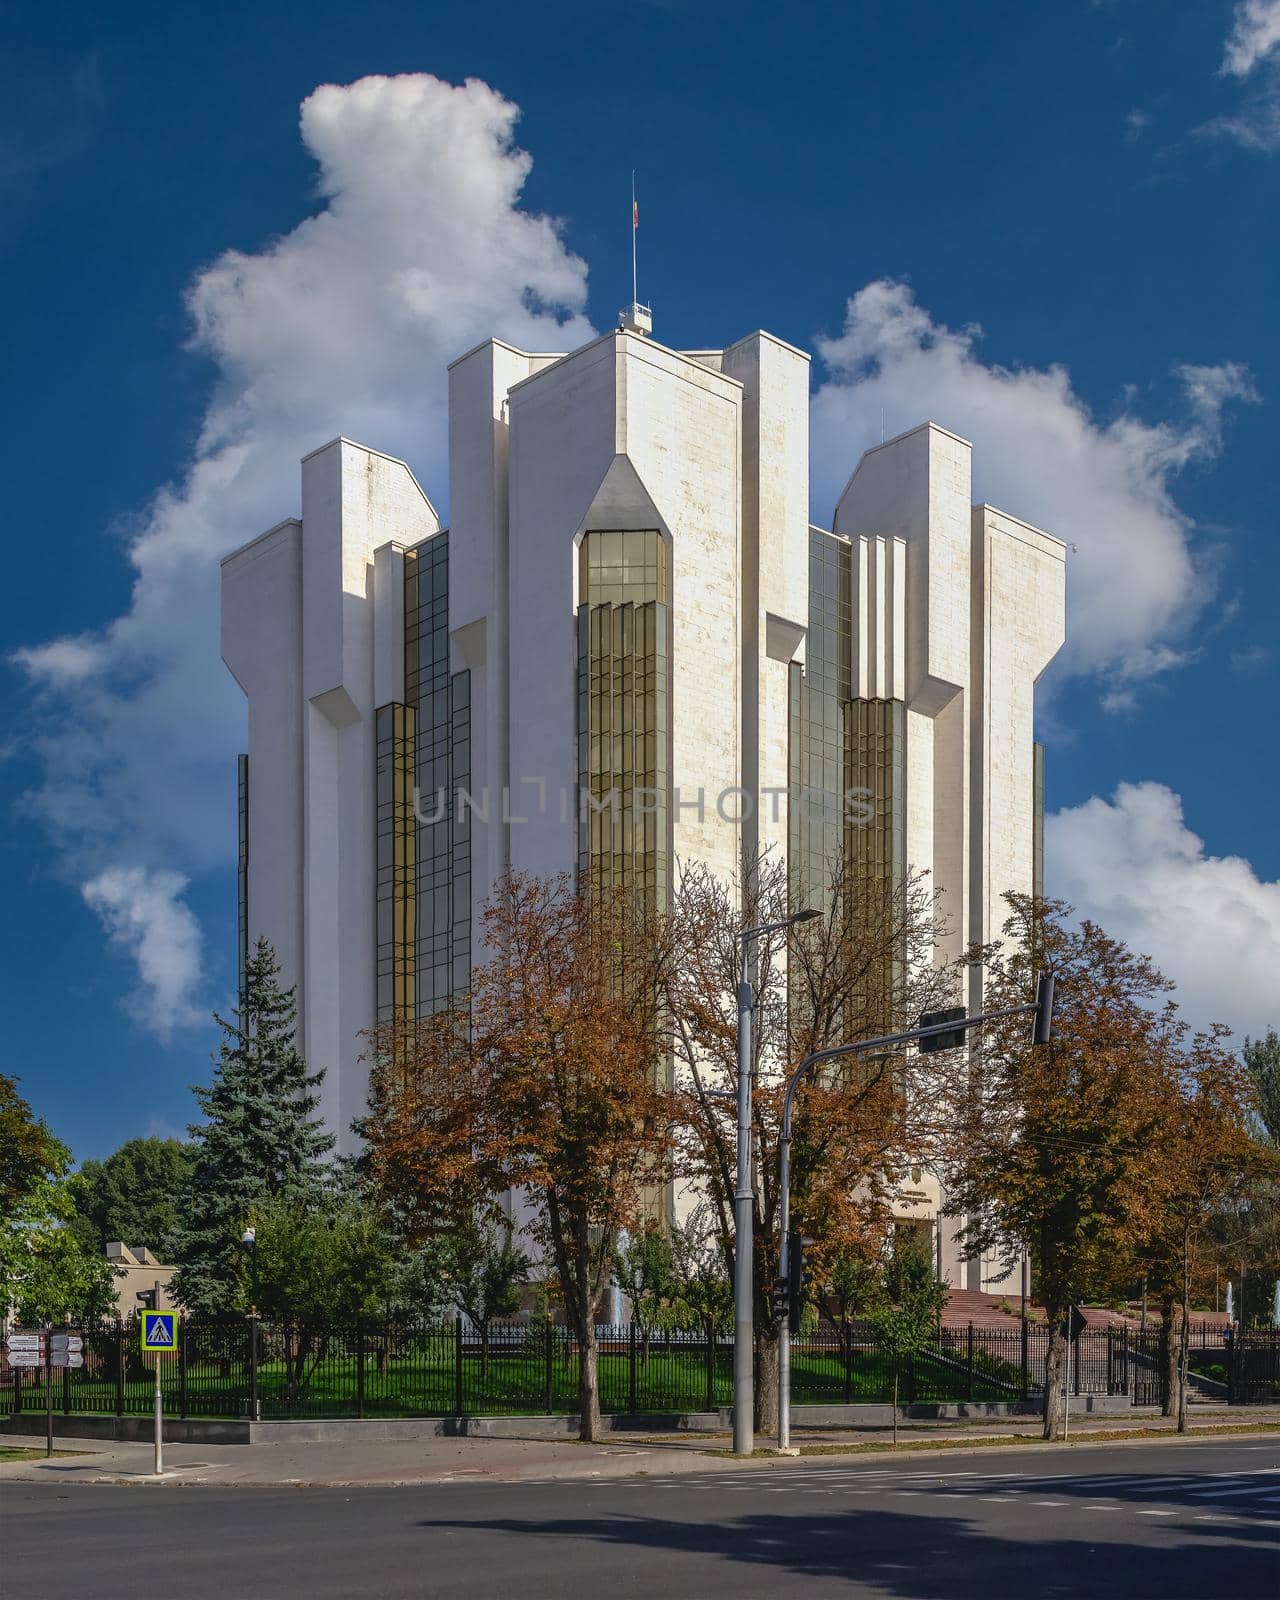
743	1201
1042	1029
250	1241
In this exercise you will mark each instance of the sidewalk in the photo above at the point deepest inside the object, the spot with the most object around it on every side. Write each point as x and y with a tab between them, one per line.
442	1461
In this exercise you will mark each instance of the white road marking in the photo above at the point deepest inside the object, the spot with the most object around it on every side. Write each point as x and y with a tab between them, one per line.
1225	1491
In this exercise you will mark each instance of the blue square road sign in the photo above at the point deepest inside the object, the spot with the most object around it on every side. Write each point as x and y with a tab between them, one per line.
160	1332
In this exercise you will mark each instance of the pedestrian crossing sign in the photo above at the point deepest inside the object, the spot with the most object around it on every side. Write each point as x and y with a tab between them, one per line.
160	1332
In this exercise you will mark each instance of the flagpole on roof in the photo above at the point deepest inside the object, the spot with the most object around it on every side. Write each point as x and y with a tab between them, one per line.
635	228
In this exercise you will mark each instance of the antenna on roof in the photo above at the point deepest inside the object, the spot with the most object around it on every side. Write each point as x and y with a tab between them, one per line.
635	318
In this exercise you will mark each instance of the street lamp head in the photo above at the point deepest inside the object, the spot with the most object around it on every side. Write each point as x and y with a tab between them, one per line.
249	1237
807	915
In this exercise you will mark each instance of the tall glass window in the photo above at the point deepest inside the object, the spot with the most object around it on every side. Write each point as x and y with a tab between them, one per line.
424	859
847	756
623	710
397	908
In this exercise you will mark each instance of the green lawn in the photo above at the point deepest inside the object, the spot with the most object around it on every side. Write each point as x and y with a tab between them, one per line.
423	1383
13	1453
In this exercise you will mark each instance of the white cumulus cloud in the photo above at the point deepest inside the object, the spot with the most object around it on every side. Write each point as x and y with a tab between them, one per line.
1252	55
146	919
1105	486
1210	923
418	249
1255	35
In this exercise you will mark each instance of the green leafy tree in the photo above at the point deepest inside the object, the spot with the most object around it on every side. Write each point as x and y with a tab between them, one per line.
644	1269
700	1284
1062	1144
324	1260
903	1311
417	1287
29	1153
261	1140
1262	1062
139	1195
45	1274
848	1279
482	1269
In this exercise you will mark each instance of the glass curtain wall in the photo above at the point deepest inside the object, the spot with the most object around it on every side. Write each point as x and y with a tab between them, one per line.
424	854
623	701
847	756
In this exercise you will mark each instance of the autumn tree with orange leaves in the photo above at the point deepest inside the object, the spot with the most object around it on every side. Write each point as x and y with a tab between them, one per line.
1206	1161
549	1081
1064	1146
868	965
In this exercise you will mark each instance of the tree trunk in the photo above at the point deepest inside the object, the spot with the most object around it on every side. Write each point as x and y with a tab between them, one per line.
1168	1354
484	1349
1184	1335
895	1404
588	1385
1055	1376
766	1381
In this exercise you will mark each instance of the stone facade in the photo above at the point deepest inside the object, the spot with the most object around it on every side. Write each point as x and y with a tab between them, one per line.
952	612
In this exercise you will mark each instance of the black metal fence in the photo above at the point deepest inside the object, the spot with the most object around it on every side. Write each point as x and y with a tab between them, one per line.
1253	1368
374	1368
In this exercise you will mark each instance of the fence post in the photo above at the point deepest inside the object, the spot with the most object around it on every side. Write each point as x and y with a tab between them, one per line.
182	1367
970	1384
711	1369
17	1390
632	1397
458	1393
1026	1357
846	1349
121	1357
550	1375
359	1363
66	1391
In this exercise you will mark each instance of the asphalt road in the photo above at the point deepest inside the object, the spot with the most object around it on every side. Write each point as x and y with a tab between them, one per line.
1160	1522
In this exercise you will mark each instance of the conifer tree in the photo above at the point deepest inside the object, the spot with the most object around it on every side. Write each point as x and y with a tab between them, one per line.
261	1139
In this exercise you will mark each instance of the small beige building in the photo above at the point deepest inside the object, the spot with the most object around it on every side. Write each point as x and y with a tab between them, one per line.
139	1273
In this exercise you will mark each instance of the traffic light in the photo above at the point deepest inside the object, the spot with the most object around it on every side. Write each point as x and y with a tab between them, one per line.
951	1040
1042	1026
146	1299
796	1278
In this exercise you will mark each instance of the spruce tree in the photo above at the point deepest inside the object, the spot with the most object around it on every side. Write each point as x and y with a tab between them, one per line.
261	1139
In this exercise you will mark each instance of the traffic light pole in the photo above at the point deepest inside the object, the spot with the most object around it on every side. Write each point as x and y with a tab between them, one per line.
1042	1006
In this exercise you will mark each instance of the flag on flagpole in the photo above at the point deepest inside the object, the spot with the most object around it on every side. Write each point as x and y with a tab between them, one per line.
635	213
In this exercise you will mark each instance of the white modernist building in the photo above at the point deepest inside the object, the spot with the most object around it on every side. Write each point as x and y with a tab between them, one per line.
630	597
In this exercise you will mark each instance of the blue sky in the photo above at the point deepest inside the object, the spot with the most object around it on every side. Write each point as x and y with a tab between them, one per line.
1053	230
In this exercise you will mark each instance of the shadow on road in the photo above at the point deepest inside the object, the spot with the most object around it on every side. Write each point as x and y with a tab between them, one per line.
936	1555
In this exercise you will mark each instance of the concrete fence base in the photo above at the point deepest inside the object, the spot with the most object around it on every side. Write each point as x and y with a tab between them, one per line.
218	1430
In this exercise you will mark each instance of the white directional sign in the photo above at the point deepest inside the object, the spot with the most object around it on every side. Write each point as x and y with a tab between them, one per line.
65	1358
25	1341
66	1341
26	1358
